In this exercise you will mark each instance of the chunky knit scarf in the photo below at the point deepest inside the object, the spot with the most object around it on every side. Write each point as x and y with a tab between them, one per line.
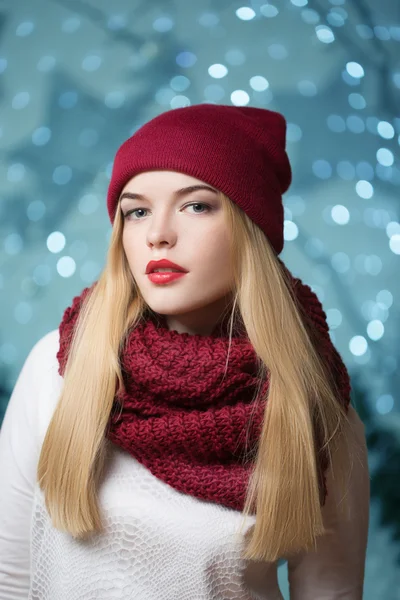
192	425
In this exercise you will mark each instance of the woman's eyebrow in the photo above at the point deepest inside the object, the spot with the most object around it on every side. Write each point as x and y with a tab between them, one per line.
177	194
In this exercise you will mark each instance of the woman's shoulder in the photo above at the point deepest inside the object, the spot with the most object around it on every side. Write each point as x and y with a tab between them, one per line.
45	350
30	409
42	382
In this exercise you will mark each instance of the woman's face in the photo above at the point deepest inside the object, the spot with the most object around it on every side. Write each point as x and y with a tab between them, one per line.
165	217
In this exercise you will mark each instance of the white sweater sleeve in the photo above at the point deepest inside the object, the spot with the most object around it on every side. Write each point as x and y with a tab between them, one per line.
19	452
336	570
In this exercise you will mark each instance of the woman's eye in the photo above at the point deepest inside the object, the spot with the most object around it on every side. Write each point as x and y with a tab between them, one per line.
198	204
194	204
131	212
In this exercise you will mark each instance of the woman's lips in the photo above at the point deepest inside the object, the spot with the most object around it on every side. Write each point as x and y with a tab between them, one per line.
161	278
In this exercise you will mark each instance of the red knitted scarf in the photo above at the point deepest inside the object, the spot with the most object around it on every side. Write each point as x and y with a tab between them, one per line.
193	426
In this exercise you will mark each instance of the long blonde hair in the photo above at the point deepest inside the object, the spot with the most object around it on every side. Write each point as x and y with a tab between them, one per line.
284	490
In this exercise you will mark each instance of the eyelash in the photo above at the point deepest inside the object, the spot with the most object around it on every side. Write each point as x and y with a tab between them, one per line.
129	212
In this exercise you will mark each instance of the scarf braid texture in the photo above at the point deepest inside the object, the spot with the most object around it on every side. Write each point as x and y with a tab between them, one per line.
193	425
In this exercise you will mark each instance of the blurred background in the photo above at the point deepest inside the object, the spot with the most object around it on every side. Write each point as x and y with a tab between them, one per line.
77	77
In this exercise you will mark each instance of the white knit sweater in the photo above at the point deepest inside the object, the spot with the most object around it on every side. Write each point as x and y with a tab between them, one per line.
159	544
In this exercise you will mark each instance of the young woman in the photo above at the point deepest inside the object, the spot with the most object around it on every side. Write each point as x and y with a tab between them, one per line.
187	427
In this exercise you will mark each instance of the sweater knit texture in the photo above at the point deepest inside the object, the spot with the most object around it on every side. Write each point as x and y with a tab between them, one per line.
192	425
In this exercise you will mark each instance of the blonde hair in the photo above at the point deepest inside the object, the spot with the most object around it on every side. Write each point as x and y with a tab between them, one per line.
284	487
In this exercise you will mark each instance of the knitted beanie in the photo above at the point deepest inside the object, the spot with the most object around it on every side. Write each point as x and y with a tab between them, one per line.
238	150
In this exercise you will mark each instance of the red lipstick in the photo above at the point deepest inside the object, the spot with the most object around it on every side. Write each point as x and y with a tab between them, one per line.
163	264
174	271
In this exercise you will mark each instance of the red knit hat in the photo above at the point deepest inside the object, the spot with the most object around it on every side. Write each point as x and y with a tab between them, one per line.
238	150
